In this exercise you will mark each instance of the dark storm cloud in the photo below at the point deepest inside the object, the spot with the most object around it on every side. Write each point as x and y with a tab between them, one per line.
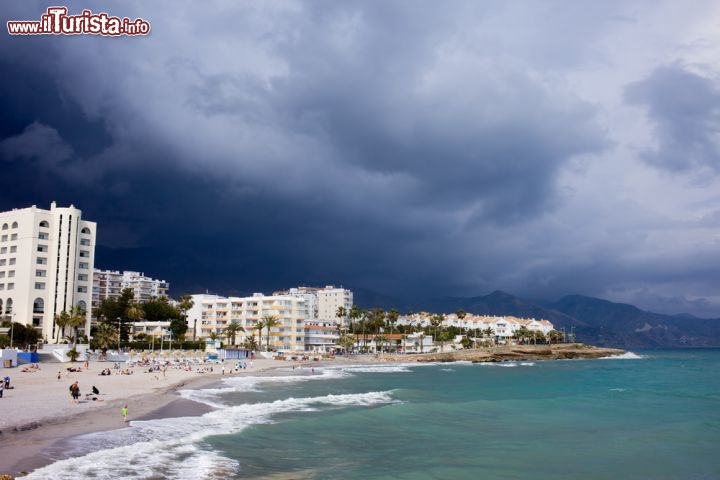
684	109
411	148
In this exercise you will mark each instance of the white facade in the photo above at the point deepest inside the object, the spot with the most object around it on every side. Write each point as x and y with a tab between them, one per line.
503	327
46	265
330	299
111	283
323	303
212	314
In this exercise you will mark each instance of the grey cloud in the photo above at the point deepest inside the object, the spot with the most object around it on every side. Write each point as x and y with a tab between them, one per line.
684	109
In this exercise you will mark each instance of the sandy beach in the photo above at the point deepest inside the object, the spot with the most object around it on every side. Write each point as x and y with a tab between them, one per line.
38	411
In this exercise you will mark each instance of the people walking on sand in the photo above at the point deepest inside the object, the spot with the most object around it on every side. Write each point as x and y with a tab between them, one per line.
75	391
59	375
123	412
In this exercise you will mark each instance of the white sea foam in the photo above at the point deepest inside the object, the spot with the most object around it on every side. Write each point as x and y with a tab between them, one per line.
447	369
394	368
624	356
211	396
168	448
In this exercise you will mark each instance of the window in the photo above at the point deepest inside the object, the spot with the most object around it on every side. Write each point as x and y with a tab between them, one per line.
13	249
2	286
43	236
85	230
13	236
82	289
84	253
44	224
39	273
12	261
4	238
83	265
5	226
3	250
39	305
42	248
11	274
38	286
82	277
10	286
14	225
3	262
2	274
41	261
85	242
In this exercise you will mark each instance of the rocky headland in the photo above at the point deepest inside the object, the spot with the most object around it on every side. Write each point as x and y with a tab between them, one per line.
506	353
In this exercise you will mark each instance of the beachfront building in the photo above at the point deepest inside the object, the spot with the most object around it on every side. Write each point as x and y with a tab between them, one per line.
330	299
502	328
323	303
211	315
111	283
46	264
321	337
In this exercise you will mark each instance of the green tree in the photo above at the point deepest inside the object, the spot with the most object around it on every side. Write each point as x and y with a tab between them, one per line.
178	327
75	320
553	336
391	318
340	313
105	336
62	320
461	313
231	331
159	309
488	333
522	334
436	323
250	343
354	314
347	342
444	336
269	322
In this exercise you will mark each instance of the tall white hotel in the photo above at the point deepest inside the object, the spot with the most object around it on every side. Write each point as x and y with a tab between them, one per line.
46	266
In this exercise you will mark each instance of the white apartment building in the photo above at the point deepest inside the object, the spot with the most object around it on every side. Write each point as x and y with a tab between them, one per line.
213	313
503	327
46	265
329	299
111	283
323	303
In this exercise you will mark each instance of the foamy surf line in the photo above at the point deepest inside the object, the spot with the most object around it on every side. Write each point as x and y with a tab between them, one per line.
213	396
169	448
624	356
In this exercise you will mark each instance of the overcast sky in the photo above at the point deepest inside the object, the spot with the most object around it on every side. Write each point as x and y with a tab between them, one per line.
413	148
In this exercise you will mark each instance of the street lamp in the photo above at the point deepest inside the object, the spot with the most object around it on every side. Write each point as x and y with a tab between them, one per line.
119	331
194	329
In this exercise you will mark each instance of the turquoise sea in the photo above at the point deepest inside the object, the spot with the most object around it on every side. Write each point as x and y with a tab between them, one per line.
646	415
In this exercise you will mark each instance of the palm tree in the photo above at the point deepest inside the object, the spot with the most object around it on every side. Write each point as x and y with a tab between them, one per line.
354	314
488	332
436	321
522	334
250	343
341	313
554	336
76	319
461	313
105	336
231	330
270	321
62	320
392	317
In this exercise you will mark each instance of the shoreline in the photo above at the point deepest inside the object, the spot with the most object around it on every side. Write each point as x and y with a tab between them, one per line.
30	445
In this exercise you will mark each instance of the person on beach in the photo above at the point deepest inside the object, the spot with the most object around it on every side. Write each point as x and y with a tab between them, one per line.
59	375
75	391
123	412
